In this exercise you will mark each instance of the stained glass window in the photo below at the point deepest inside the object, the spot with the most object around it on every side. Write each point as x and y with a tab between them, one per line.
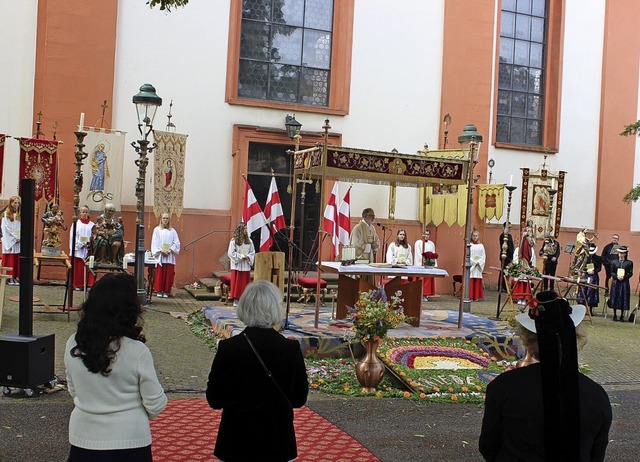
285	51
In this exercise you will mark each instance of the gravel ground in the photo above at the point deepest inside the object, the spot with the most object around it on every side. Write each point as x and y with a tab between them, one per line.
35	429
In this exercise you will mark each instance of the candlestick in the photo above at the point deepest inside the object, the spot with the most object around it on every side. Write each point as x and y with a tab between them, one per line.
81	121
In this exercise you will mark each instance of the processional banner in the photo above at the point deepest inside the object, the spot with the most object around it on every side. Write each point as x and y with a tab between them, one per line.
168	191
541	191
490	201
102	169
2	140
39	162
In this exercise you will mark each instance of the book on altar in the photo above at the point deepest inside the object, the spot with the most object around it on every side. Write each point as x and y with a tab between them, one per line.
620	272
381	265
590	267
166	247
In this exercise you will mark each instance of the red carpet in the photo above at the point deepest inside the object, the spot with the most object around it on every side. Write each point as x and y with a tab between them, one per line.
186	431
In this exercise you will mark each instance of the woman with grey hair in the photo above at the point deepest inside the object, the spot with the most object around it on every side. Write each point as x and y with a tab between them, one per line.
257	378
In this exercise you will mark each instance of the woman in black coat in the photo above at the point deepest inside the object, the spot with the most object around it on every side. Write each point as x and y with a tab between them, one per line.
257	412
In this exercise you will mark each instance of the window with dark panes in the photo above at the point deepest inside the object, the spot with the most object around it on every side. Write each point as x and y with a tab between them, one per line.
521	72
285	51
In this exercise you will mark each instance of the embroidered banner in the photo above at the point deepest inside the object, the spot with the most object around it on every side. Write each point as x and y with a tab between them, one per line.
2	140
39	161
102	169
542	199
490	201
169	163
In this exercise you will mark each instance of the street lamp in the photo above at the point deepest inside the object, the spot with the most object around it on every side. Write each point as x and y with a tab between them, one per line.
472	139
292	125
147	103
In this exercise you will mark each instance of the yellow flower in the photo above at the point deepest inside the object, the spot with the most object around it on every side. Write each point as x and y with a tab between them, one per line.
379	394
454	398
478	387
451	390
346	389
320	381
313	385
465	389
406	394
402	374
436	389
423	396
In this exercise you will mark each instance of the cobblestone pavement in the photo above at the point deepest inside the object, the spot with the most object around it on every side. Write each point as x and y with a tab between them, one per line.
395	430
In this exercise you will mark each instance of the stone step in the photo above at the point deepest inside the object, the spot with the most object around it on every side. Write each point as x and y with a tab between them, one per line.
202	293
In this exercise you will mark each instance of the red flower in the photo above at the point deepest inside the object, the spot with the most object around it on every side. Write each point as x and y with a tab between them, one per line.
430	255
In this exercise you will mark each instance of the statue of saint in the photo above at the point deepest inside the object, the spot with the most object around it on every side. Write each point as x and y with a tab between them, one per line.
108	237
53	221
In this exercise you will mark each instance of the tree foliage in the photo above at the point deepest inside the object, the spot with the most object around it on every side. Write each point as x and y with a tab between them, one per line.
166	4
634	194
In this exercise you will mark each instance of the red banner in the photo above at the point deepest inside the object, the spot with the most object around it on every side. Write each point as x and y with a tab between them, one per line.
2	140
39	161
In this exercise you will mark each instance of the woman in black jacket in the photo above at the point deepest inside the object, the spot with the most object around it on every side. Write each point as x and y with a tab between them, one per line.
254	404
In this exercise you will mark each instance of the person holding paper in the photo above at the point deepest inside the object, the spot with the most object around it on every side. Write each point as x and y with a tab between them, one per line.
84	228
11	239
399	252
421	246
364	237
621	272
478	259
165	245
592	268
241	252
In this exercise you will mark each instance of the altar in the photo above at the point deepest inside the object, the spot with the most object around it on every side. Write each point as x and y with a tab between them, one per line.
350	284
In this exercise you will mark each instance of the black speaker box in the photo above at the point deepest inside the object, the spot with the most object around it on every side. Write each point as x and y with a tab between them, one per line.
26	361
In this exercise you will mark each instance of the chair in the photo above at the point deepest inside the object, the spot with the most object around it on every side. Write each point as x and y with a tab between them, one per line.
225	286
308	288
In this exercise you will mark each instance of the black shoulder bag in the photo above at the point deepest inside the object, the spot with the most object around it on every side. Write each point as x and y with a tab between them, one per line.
266	369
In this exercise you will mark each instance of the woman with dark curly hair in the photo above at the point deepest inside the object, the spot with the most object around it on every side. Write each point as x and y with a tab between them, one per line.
111	377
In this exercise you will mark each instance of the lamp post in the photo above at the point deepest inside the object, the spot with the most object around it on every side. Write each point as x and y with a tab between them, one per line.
473	139
147	103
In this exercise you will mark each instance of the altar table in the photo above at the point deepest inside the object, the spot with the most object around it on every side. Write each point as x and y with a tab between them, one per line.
350	284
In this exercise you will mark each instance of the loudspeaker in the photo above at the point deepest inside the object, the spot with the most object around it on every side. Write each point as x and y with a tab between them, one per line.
26	361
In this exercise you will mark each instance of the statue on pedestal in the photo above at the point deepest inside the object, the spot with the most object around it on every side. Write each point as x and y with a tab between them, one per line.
108	237
53	221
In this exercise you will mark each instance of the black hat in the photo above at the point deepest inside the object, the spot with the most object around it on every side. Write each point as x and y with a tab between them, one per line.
623	249
555	322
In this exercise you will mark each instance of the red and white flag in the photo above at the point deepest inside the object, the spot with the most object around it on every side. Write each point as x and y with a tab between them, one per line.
251	212
274	216
344	219
330	223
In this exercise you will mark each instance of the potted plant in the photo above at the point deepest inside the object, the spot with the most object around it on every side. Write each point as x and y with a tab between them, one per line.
429	259
372	317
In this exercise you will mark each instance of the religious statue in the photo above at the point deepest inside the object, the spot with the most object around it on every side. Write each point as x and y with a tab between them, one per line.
53	220
108	238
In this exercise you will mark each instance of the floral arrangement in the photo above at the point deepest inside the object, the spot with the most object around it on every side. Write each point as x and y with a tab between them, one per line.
429	258
518	269
373	314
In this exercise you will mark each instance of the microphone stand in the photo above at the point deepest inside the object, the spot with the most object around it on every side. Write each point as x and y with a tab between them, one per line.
384	240
291	246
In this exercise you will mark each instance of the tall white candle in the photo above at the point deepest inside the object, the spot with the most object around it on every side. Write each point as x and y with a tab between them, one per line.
511	180
91	261
81	121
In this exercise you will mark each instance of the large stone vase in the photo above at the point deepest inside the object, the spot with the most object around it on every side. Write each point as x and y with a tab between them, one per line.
370	368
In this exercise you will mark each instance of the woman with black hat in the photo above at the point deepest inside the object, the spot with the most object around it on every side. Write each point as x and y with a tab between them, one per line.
547	410
621	272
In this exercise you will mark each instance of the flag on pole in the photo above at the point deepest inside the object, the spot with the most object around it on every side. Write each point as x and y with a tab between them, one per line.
344	219
330	223
274	216
251	212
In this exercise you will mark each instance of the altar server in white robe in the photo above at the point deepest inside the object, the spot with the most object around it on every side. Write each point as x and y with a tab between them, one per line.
421	246
478	259
165	245
84	229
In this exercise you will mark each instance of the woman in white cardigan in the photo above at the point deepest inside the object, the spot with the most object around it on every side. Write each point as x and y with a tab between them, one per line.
111	377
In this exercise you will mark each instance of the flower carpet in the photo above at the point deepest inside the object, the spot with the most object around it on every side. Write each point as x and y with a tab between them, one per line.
331	338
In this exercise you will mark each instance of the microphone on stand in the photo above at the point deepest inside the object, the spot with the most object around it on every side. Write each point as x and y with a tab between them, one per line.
382	226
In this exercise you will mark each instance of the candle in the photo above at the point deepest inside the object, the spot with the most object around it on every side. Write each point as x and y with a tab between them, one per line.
511	180
91	261
81	121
